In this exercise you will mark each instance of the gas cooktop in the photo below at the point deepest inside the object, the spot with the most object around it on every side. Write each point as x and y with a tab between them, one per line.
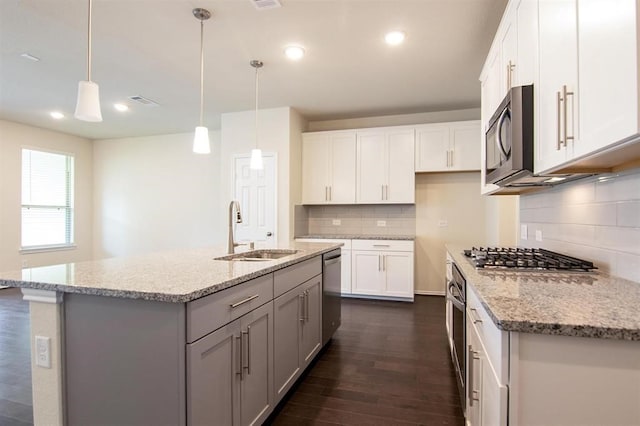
525	259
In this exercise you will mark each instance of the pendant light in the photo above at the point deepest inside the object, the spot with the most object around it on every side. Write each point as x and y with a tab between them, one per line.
201	139
256	153
88	104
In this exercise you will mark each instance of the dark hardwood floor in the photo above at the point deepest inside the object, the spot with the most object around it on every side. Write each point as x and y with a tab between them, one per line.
388	364
15	363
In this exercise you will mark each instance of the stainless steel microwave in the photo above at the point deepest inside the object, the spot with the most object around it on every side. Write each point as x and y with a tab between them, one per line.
509	139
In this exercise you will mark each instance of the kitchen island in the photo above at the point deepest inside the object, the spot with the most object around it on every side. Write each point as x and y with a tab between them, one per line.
171	338
550	348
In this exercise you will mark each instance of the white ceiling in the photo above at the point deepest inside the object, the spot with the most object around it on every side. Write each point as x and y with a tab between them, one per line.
151	48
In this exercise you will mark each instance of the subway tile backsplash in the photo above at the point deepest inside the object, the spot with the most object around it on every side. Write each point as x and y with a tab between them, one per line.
356	219
597	219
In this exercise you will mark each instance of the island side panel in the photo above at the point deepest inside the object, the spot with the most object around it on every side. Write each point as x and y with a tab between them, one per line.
124	361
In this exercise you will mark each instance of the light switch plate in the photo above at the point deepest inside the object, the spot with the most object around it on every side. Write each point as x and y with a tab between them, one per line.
443	223
523	232
337	222
381	223
538	235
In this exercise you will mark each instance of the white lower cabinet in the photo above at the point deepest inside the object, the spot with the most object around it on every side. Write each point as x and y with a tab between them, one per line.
297	332
230	372
382	268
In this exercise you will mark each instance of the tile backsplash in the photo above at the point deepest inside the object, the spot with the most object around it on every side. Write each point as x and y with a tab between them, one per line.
597	219
355	219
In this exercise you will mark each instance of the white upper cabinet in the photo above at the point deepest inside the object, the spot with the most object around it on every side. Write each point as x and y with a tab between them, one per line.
328	168
446	147
385	166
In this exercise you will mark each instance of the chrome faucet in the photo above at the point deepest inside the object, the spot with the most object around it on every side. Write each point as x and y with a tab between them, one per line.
231	243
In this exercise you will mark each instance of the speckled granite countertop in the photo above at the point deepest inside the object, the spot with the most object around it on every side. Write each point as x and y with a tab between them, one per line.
569	304
179	276
360	237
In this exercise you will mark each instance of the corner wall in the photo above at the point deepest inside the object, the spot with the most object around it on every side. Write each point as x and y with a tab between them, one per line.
13	137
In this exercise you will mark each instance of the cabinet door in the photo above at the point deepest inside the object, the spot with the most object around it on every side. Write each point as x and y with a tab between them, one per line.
465	146
608	73
367	275
493	397
527	22
558	67
342	170
311	326
287	317
432	148
345	265
474	375
371	167
213	368
256	386
398	269
509	54
315	169
401	167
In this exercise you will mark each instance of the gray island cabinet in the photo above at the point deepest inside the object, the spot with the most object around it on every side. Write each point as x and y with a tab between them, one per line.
225	358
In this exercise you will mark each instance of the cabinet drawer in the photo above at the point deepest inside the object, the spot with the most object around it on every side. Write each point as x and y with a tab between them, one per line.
382	245
212	312
494	340
288	278
346	244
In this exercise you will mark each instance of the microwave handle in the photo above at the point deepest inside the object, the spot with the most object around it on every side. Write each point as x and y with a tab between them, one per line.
499	134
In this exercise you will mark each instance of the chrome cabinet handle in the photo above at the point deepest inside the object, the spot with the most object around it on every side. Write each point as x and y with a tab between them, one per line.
470	372
558	109
330	194
477	318
451	157
248	334
239	355
306	307
326	192
565	96
301	297
243	301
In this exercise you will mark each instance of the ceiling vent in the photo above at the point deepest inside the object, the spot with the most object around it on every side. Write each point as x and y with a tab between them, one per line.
142	100
266	4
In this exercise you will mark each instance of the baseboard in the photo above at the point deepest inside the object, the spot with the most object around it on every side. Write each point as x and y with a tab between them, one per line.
429	293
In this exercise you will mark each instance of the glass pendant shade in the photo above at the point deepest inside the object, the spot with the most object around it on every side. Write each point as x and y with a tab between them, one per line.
201	141
256	159
88	105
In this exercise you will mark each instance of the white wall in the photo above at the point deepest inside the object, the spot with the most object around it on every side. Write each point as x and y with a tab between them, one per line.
13	137
278	131
593	219
153	193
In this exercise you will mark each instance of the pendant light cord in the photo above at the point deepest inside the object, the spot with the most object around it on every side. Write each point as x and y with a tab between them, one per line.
201	69
89	44
256	107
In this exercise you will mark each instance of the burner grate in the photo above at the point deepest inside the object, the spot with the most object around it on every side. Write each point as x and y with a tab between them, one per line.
526	259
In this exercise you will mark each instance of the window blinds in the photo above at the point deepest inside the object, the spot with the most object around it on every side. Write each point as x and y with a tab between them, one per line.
47	199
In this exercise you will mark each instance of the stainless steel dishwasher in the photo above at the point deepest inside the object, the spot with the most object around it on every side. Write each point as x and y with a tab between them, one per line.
331	283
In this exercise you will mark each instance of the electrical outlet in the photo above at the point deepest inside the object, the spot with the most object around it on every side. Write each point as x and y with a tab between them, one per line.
443	223
538	235
381	223
43	351
337	222
523	232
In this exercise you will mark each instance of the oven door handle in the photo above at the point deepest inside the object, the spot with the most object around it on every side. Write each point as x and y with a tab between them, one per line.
454	300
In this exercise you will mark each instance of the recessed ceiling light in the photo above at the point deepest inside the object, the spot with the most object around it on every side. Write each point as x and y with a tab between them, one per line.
394	38
121	107
56	115
294	52
30	57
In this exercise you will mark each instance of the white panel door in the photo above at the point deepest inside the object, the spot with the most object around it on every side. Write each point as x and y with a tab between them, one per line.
465	146
255	190
558	67
398	267
342	169
367	275
401	167
371	167
315	168
608	73
432	148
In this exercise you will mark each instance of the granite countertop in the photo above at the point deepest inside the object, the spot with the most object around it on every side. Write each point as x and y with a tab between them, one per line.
359	237
569	304
178	276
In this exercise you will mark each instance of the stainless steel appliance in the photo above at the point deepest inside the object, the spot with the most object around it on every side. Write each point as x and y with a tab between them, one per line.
510	145
526	259
331	302
456	298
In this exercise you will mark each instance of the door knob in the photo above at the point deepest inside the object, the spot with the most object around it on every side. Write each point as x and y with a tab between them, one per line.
269	234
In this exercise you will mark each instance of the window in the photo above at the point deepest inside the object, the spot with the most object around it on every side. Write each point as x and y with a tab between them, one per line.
47	199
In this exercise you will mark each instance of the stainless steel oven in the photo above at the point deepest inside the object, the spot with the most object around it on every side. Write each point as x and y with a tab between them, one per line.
456	299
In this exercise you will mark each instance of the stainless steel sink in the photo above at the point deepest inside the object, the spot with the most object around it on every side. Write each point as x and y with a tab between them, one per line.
259	255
